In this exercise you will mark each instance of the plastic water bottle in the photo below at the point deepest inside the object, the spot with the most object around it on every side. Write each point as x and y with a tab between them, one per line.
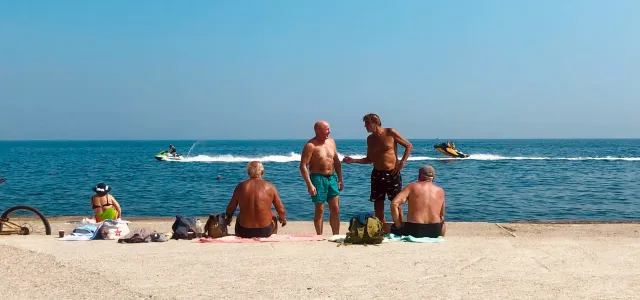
198	233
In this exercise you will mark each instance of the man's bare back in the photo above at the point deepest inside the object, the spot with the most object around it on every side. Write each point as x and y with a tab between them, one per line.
426	203
255	197
425	214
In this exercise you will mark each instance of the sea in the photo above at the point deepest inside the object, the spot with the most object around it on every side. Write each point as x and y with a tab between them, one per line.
501	180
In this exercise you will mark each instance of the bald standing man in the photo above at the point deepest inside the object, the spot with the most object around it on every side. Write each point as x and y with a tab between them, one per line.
324	176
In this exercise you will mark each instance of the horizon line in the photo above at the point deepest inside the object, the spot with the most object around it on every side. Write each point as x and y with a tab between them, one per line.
303	139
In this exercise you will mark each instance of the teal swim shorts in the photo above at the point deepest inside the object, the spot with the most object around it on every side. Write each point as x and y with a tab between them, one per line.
326	187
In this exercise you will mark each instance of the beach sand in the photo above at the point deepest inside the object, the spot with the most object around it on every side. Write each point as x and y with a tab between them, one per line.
476	261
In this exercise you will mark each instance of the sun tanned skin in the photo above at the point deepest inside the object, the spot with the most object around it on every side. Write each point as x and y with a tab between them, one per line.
320	154
382	152
255	197
426	203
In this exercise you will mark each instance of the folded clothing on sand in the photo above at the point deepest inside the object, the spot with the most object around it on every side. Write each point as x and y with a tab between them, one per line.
272	238
407	238
338	238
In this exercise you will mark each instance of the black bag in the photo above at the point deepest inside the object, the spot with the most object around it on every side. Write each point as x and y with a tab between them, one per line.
182	226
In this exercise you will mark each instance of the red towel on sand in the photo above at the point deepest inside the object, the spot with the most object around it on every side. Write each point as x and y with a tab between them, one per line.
272	238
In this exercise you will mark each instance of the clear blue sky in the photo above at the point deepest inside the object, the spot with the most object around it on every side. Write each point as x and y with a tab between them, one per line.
269	69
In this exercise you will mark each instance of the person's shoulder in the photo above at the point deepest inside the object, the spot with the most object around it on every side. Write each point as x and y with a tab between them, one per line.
391	131
311	143
269	185
242	184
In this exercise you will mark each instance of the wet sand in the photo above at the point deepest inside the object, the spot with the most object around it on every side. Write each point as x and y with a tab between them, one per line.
476	261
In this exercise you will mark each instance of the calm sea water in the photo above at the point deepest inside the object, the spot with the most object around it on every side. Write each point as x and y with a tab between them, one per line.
502	180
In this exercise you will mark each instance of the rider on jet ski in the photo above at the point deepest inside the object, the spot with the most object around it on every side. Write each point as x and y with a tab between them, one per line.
172	150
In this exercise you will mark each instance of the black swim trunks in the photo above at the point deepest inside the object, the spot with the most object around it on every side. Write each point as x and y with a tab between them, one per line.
253	232
383	183
418	230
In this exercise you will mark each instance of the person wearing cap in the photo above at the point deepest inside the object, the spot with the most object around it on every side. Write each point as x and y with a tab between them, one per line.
425	214
104	205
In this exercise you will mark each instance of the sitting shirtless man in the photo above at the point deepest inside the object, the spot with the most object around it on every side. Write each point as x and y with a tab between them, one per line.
425	215
255	197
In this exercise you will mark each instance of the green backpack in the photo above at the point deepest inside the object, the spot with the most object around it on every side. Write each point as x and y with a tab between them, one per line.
364	229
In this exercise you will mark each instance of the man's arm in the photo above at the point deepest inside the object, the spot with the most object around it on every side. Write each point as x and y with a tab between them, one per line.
337	166
402	141
442	209
277	203
365	160
399	199
307	151
233	204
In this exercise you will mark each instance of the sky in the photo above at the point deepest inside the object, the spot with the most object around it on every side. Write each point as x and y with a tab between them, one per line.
250	69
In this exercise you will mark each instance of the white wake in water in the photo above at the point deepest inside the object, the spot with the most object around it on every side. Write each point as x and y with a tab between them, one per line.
295	157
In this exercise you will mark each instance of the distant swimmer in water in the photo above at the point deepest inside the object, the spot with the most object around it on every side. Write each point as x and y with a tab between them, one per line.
2	180
172	150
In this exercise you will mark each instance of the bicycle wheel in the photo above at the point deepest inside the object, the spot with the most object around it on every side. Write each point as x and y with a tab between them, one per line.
40	221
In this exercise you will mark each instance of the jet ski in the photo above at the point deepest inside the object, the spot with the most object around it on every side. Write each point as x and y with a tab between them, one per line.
449	149
166	156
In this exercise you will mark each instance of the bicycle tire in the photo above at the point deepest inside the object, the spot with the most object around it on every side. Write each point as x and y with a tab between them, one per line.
44	220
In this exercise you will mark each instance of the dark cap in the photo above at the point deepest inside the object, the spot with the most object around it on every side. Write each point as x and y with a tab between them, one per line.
427	171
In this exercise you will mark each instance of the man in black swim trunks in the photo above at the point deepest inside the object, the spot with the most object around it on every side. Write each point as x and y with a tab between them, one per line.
255	197
425	215
382	151
172	150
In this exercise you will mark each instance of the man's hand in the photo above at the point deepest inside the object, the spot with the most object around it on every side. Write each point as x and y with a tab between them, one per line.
227	220
283	221
2	180
347	159
398	168
340	186
312	190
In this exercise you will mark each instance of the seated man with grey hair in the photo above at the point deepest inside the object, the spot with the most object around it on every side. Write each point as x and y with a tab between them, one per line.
425	214
255	197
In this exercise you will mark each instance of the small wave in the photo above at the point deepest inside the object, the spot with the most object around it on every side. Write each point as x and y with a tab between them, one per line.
295	157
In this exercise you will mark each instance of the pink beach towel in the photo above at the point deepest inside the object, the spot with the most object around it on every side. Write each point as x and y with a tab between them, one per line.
272	238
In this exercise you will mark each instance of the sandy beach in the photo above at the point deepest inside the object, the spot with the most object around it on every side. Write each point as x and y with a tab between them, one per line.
476	261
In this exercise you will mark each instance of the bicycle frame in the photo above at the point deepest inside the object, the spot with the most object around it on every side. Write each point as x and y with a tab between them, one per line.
9	228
